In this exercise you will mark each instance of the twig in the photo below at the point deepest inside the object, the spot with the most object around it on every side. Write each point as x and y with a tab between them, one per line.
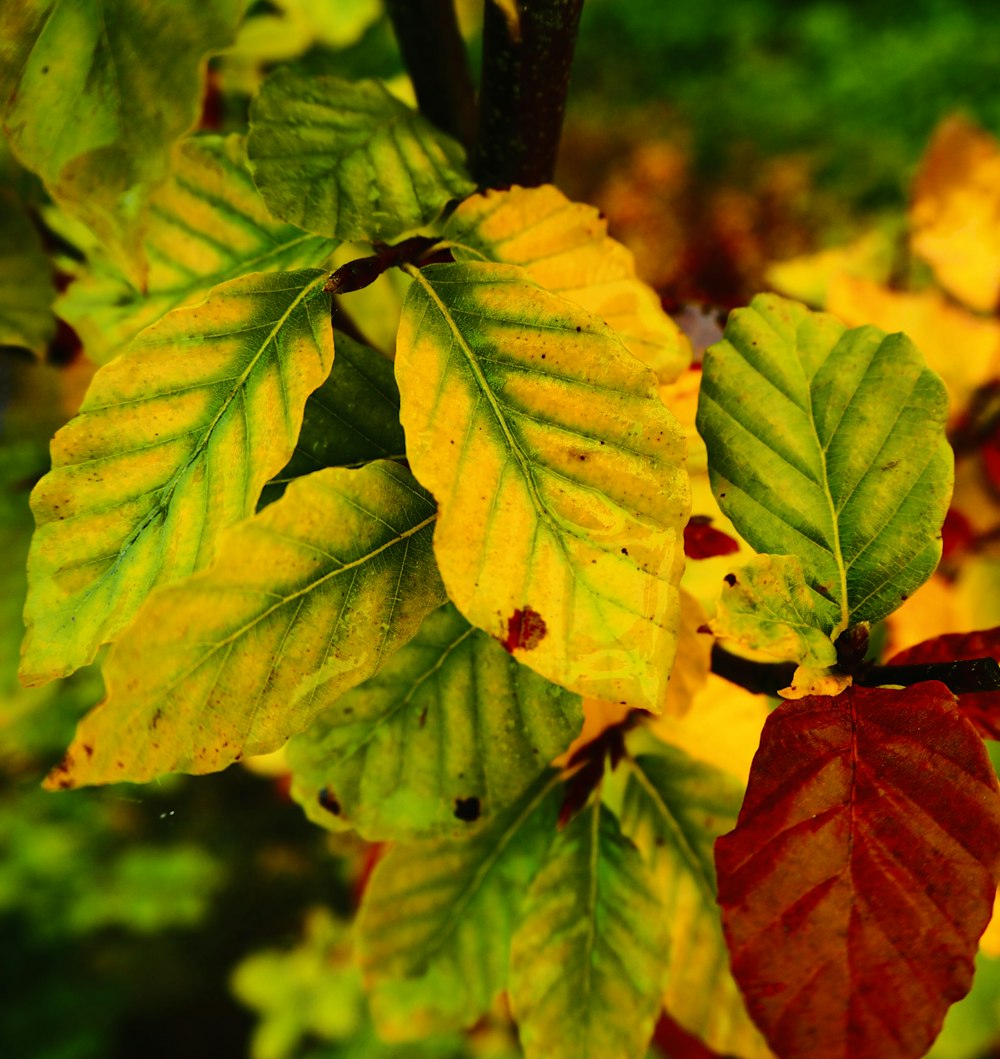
523	91
435	57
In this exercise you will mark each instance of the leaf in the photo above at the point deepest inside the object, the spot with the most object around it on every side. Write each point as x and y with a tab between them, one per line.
173	443
450	731
936	325
954	216
346	158
703	541
437	917
693	663
95	93
829	444
352	419
564	247
305	601
207	225
26	287
981	708
861	872
766	605
674	809
565	542
589	956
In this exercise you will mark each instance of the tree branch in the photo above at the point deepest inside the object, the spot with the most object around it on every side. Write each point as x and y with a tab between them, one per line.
523	92
435	57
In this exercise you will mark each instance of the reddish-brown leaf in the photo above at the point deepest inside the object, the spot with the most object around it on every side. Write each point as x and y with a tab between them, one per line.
703	541
861	872
982	708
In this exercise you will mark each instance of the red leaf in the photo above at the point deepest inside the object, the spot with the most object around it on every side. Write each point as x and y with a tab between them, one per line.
982	708
676	1043
956	533
701	541
861	872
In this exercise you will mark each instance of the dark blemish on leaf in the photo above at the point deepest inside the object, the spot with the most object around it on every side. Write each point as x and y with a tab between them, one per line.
824	591
525	630
467	809
889	466
904	597
624	551
328	800
579	329
422	719
120	764
705	629
730	580
88	750
156	718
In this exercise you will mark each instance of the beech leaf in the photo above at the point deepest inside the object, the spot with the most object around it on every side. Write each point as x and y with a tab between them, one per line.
305	601
766	605
830	445
173	443
564	247
94	108
346	158
437	917
207	224
450	731
861	872
565	542
590	953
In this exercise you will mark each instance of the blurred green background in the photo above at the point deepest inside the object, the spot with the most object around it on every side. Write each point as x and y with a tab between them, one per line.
719	136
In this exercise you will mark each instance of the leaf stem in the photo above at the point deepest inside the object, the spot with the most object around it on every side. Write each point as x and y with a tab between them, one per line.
522	97
434	52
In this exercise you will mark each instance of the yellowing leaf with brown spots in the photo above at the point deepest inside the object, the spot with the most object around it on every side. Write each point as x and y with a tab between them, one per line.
955	215
564	246
306	600
173	443
558	474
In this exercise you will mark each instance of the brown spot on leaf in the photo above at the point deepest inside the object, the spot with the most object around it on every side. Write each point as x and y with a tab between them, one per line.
328	800
467	809
730	580
88	750
422	719
525	630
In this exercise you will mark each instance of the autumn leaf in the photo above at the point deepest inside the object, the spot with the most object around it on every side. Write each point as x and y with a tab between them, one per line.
674	808
564	247
861	872
305	601
93	106
352	419
449	732
173	443
565	544
589	955
955	214
829	444
766	606
345	158
982	708
435	925
207	224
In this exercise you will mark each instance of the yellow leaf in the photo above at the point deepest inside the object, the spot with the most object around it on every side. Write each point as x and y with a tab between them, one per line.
564	247
559	476
173	443
955	215
694	658
937	327
306	600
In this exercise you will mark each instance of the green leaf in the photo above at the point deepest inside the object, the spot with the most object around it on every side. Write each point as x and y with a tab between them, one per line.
558	472
767	606
173	443
830	445
346	158
94	94
206	225
674	809
437	917
352	419
449	731
564	247
26	287
589	955
306	600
